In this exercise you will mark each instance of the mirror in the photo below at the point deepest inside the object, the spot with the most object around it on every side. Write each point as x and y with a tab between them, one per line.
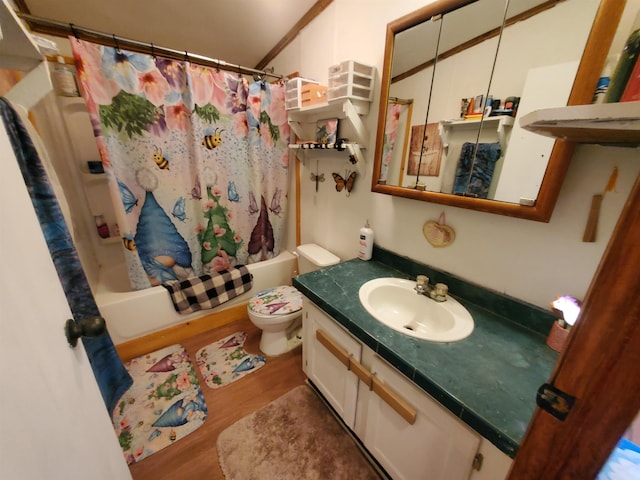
432	146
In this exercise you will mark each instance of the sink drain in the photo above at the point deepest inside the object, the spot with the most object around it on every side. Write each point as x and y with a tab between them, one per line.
409	327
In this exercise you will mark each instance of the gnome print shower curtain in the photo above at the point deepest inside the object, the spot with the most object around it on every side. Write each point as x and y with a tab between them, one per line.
196	158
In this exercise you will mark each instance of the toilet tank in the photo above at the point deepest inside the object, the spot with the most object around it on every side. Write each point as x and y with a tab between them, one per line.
312	257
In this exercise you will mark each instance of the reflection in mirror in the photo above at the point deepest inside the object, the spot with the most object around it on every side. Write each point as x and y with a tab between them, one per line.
455	75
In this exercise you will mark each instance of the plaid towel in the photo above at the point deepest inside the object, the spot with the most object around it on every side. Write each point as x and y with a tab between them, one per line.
209	291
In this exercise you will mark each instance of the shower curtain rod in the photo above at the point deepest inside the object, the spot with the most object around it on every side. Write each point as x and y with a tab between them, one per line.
400	101
53	27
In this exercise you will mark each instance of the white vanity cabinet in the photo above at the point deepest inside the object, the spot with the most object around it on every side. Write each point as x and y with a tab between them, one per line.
411	435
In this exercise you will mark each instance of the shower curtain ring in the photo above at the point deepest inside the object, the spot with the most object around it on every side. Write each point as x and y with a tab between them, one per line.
153	52
115	41
186	56
74	31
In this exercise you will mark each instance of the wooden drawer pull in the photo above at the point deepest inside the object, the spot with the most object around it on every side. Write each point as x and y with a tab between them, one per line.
361	372
336	350
386	393
394	400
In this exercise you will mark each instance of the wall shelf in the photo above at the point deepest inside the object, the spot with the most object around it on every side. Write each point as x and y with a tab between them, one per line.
499	123
607	124
18	51
347	111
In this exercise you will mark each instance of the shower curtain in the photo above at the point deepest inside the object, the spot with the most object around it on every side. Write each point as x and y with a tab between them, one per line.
390	134
196	158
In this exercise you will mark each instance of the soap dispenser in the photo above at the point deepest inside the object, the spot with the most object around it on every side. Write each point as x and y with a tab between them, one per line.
365	243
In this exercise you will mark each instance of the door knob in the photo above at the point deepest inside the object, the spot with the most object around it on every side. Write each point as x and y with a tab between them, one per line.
87	327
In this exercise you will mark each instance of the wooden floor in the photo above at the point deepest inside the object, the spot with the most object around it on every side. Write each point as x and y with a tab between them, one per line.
195	456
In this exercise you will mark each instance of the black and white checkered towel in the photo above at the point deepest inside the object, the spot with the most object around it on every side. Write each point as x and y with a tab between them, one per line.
209	291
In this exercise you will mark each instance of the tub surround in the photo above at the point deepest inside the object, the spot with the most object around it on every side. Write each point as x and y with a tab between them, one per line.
489	380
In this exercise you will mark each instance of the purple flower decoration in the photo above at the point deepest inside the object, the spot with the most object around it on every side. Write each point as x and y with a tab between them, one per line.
237	100
159	125
173	72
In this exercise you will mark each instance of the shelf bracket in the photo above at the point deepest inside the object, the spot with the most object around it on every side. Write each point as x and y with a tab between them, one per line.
354	149
350	112
296	128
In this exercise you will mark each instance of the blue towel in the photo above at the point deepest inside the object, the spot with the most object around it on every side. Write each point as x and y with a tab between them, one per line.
111	375
474	175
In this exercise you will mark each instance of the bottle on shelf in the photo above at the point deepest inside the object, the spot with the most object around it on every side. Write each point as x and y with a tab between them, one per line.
622	73
101	226
605	79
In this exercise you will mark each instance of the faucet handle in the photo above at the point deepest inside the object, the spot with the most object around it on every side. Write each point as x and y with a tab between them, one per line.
441	289
422	283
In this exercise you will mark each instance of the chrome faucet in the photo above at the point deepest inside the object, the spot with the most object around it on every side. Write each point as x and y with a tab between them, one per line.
437	292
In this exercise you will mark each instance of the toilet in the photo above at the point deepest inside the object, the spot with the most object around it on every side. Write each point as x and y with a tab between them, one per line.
278	311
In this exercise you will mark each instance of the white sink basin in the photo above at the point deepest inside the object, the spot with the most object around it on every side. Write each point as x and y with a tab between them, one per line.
394	302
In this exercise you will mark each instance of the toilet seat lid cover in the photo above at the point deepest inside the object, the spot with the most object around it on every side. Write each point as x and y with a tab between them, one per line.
276	301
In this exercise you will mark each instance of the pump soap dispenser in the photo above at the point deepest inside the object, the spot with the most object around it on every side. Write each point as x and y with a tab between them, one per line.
365	243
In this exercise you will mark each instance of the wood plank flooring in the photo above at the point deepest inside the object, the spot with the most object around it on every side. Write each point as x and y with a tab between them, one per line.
195	456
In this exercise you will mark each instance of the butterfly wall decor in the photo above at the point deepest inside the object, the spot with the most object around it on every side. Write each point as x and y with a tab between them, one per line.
342	184
317	178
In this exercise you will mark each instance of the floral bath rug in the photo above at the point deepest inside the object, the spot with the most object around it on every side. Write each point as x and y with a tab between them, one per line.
164	404
226	361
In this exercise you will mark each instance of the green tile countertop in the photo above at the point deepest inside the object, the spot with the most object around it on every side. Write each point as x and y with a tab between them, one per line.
489	380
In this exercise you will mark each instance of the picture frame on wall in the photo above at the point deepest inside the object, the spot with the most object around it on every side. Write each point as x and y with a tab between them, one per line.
327	130
425	140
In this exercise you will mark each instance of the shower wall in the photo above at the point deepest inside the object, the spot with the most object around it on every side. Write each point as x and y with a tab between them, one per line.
64	126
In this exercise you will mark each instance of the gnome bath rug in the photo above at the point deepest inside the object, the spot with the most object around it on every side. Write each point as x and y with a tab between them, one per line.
226	360
164	404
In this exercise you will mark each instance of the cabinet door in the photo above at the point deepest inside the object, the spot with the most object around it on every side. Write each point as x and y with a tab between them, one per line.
438	446
338	385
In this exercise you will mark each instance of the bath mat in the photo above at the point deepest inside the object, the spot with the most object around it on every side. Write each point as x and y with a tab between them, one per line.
163	405
226	361
293	437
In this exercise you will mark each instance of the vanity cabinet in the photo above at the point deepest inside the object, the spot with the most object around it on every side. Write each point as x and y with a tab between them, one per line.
410	434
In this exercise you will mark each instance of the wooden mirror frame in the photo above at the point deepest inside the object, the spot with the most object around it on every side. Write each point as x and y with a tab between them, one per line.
591	64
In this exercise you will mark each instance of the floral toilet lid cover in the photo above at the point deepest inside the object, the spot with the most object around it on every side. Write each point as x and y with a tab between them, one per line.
276	301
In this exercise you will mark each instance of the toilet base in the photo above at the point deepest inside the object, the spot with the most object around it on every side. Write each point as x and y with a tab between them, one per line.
278	343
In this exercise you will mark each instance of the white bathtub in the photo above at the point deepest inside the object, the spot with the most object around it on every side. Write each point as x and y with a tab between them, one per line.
133	314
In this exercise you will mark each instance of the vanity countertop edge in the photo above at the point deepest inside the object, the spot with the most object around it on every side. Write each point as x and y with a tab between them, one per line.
489	380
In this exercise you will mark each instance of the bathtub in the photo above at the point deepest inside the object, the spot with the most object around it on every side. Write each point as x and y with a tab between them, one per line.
133	314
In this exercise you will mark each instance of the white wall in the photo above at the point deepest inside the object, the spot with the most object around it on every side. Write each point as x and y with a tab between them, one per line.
529	260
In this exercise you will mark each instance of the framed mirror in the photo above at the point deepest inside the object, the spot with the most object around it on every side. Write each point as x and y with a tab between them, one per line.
457	76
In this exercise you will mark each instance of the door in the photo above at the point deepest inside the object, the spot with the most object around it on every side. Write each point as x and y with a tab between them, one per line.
599	367
52	415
